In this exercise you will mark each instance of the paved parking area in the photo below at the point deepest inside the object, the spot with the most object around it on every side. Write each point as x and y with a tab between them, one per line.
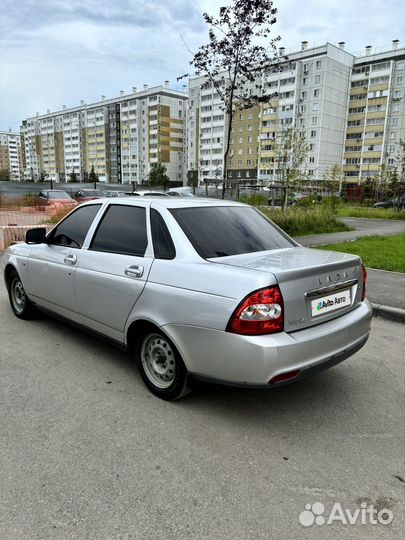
87	452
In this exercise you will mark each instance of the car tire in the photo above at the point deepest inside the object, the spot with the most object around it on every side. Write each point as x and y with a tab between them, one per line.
161	367
19	301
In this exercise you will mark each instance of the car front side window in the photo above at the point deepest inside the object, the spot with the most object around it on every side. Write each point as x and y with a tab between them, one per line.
72	231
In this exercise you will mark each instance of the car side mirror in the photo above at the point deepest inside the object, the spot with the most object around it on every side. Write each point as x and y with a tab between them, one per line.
35	236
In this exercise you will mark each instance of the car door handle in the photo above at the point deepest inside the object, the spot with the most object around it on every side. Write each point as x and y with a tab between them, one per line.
70	259
133	271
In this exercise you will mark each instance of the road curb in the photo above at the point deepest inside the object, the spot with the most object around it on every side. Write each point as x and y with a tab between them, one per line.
390	313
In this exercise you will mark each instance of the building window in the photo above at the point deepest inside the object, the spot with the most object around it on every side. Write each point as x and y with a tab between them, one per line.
315	107
311	159
318	64
316	92
304	81
314	120
313	133
317	79
303	94
399	80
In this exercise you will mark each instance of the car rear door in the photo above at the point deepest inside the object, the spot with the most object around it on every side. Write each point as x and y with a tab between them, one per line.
51	266
114	269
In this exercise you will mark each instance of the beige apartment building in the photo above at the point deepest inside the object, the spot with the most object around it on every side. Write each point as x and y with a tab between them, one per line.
11	158
376	112
119	138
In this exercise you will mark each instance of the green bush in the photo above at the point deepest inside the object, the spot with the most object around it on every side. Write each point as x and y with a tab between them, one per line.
258	199
333	203
301	221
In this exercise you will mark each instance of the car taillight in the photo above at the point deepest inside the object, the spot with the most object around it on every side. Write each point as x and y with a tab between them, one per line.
262	312
363	294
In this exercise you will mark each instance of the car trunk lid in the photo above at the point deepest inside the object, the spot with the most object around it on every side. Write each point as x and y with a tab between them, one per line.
316	285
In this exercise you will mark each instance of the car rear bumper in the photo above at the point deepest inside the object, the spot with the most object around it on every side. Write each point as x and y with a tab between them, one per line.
255	360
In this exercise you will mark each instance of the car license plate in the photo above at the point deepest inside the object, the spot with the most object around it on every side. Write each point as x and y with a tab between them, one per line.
330	303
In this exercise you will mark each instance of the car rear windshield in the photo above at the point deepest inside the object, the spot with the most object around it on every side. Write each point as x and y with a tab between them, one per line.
58	195
218	231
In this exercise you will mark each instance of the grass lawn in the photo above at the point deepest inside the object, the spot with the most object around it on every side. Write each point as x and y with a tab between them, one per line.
302	221
364	212
383	252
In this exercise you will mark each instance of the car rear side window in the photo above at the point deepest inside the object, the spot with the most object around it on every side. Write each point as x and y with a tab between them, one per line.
162	241
73	230
122	230
218	231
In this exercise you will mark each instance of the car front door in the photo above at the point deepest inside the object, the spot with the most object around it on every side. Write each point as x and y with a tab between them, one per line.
114	269
51	266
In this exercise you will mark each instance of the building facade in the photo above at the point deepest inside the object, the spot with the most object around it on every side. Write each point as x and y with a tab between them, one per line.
11	154
334	100
376	113
119	138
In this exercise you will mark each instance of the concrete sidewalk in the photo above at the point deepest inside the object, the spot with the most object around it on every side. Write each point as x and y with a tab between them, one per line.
386	288
363	227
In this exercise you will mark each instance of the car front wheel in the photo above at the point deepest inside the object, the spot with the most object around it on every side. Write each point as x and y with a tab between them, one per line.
19	301
161	366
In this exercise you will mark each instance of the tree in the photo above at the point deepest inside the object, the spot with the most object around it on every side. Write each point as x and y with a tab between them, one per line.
93	178
42	176
332	179
73	177
4	175
291	152
234	61
158	176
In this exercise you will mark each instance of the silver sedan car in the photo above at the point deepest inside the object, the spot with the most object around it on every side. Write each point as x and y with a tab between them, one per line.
194	289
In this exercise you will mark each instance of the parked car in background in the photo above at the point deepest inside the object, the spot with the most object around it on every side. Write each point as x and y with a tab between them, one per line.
112	193
194	289
84	195
53	198
146	193
185	191
391	203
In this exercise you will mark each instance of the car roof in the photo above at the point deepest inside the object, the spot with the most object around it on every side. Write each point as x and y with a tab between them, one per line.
168	202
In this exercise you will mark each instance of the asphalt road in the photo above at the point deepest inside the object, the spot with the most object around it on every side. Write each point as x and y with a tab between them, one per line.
87	452
362	226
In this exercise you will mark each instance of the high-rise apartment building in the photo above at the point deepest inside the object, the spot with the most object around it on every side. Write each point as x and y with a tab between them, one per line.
340	104
10	154
376	112
120	138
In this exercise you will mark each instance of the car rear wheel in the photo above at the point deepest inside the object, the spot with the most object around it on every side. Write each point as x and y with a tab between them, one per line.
161	366
19	301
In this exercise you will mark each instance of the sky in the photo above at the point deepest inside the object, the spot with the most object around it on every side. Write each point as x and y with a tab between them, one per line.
55	52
